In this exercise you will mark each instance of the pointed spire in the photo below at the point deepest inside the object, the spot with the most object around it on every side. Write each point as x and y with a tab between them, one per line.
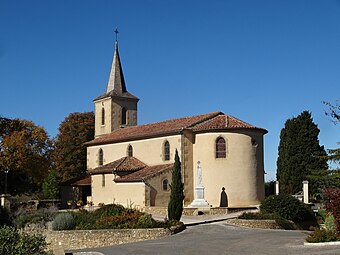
116	79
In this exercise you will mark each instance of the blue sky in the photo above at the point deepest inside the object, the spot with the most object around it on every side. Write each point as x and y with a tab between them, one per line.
261	61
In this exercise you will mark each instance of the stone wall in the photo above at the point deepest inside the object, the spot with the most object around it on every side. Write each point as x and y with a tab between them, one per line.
81	239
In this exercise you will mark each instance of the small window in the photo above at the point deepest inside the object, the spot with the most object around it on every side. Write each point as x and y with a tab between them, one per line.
100	157
166	150
220	148
103	180
103	116
165	185
130	151
123	116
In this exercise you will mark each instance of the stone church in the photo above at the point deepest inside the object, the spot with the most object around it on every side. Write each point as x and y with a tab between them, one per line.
131	164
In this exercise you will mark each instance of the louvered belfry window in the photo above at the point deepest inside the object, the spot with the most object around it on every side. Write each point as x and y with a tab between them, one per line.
221	148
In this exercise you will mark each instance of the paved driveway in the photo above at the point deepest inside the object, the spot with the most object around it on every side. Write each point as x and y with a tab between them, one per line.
220	238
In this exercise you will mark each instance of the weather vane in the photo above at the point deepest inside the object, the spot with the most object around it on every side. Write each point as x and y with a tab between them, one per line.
116	31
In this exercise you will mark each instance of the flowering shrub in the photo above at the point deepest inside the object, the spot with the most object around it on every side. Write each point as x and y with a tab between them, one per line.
332	204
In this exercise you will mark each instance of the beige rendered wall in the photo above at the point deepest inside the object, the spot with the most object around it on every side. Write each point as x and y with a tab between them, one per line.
126	194
149	151
241	172
99	128
155	195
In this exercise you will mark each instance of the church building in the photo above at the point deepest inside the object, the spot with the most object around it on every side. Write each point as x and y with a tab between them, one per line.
132	164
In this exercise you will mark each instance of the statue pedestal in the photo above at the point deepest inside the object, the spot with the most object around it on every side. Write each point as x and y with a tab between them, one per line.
199	200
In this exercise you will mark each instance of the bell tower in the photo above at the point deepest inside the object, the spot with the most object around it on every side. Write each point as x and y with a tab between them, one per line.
116	108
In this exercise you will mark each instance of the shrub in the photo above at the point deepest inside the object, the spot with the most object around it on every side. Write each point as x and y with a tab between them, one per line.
256	216
283	223
40	216
287	207
322	235
128	219
63	221
330	223
14	243
332	196
109	210
145	221
84	220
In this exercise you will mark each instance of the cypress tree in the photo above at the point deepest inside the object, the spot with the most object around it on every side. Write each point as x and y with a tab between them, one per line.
175	206
300	154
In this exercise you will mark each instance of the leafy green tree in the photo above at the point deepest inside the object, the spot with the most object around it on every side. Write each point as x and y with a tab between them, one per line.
70	152
25	151
50	186
300	154
175	207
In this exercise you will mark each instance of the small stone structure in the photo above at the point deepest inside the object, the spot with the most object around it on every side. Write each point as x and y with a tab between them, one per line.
82	239
199	201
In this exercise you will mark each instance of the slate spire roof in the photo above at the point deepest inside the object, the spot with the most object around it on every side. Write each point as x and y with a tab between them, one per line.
116	78
209	122
116	84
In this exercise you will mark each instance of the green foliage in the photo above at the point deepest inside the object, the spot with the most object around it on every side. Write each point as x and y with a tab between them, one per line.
63	221
283	223
300	154
51	186
70	151
332	204
84	219
287	207
14	243
330	223
109	210
175	207
269	188
25	150
41	216
256	216
322	235
145	221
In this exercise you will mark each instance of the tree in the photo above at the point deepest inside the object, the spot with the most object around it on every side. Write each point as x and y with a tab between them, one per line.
300	154
25	151
50	186
175	207
70	152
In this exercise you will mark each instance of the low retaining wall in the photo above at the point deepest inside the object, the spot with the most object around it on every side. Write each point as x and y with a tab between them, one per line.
264	224
188	211
81	239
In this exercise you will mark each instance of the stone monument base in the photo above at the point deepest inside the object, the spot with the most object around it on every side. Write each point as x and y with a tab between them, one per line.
199	203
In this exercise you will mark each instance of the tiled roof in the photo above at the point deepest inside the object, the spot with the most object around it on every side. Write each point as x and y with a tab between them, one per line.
204	122
125	164
224	121
144	173
81	180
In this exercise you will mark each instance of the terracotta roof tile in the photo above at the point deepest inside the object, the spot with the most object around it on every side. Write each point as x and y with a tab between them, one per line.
125	164
224	122
204	122
152	130
81	180
144	173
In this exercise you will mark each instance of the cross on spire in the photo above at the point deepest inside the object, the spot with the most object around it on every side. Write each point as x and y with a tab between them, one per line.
116	31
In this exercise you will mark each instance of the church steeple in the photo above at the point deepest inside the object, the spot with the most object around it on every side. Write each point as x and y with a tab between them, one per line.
116	78
117	107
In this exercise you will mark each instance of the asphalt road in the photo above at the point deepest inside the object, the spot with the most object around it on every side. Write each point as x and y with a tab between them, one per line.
220	238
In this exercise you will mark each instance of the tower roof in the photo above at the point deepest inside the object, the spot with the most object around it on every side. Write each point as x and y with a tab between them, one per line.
116	78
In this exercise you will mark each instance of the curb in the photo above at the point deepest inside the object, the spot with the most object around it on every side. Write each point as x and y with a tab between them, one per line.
337	243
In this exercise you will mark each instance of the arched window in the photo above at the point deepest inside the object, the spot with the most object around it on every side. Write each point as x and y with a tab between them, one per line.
100	157
123	116
103	116
130	151
166	150
221	150
165	185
